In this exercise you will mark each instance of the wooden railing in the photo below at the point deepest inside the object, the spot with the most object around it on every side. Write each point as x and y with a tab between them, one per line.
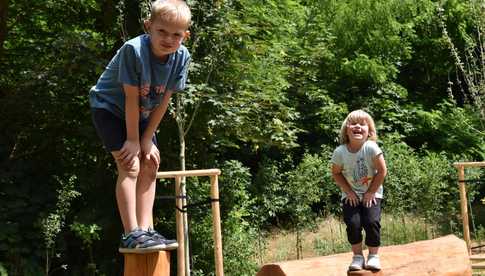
216	216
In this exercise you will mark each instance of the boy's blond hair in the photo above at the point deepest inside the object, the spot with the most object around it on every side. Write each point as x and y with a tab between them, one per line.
173	11
356	116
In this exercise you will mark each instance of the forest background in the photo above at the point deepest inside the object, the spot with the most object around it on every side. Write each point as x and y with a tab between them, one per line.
269	85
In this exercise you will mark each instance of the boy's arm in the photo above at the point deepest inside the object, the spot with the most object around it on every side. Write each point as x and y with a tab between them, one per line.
339	178
149	151
377	180
131	147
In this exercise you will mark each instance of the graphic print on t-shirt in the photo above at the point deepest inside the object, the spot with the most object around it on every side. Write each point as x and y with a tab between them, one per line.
150	97
360	173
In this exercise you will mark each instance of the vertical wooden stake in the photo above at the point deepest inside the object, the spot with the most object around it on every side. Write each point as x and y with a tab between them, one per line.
180	227
216	225
464	207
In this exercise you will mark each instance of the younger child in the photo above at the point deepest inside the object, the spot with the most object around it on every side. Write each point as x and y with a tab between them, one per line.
359	168
128	103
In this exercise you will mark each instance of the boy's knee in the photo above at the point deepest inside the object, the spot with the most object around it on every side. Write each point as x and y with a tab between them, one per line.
149	168
129	171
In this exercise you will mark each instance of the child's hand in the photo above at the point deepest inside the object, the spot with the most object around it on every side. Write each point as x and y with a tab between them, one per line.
352	199
150	152
128	153
369	199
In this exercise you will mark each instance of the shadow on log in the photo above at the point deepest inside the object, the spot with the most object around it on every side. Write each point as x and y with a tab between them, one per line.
445	256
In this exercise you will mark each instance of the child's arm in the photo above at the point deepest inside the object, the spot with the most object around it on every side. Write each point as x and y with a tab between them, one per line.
339	178
131	147
377	180
149	151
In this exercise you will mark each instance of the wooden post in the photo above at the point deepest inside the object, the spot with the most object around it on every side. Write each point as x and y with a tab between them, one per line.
148	264
216	225
460	166
464	207
180	227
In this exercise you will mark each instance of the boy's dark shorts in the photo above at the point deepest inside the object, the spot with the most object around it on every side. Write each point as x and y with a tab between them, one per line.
112	130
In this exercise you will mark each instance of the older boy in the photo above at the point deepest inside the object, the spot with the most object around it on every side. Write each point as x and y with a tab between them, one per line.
128	103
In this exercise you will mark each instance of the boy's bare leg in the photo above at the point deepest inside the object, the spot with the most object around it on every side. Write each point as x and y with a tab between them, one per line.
145	194
357	249
126	194
373	250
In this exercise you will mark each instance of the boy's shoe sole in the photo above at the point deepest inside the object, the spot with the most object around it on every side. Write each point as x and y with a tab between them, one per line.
171	246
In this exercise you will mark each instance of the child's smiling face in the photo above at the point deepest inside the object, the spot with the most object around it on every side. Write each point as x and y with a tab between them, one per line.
358	130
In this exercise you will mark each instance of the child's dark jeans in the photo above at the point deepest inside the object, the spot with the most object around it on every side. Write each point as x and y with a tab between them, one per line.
358	217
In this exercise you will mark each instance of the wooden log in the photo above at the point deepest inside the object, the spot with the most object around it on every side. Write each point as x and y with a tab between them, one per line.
445	256
364	272
149	264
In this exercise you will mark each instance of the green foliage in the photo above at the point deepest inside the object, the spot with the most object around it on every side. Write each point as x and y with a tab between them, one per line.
3	270
251	105
424	184
52	224
454	129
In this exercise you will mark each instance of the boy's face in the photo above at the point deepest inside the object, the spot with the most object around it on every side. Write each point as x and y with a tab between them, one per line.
165	37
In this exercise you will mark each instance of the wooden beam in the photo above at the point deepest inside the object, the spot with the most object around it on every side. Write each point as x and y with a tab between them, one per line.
174	174
469	164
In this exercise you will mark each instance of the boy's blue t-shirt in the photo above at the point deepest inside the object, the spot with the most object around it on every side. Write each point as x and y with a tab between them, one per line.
134	64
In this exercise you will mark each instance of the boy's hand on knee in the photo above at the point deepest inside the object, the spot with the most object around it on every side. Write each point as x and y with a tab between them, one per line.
369	199
128	153
352	199
150	152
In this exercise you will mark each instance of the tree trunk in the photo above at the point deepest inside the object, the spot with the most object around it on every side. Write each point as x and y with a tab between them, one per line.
3	24
180	126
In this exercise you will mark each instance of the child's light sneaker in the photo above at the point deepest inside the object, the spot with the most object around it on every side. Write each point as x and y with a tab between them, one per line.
358	262
373	262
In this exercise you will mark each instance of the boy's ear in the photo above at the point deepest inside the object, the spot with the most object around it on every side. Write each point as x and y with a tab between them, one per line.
146	25
186	35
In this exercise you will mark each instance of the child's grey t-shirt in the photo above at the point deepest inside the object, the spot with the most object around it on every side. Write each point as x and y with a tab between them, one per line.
358	168
134	64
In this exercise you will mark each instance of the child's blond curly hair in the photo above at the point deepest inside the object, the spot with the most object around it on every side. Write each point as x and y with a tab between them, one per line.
357	116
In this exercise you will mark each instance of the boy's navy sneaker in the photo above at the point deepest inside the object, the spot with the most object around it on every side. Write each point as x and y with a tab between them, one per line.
139	241
168	244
